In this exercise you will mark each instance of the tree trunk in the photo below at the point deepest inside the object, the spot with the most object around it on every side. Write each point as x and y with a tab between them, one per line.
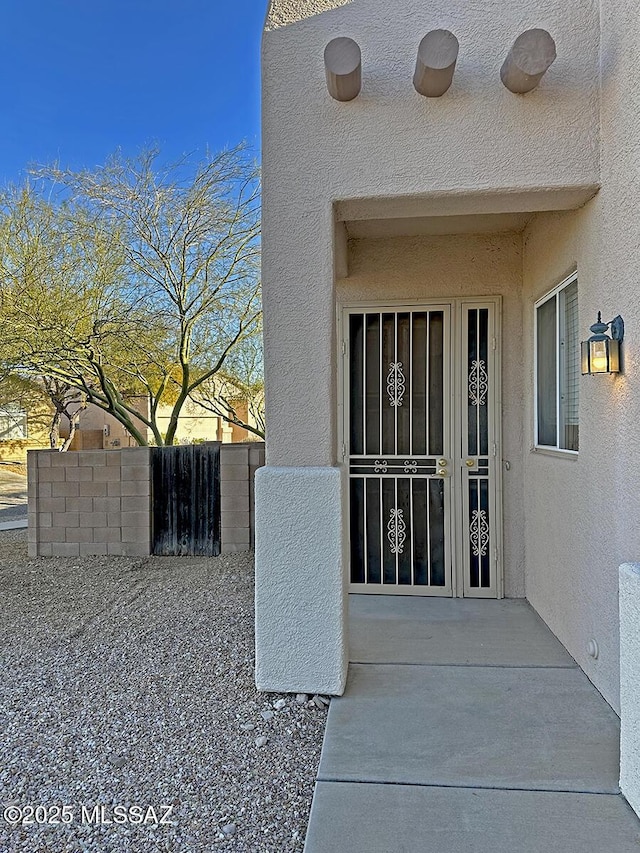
54	431
74	420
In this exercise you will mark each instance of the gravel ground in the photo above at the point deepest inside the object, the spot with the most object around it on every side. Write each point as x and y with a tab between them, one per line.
128	682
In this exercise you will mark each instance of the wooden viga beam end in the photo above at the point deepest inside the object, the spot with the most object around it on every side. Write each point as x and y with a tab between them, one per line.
343	68
437	57
532	54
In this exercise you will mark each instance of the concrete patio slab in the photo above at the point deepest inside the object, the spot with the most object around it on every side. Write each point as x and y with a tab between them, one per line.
399	629
488	727
466	728
405	819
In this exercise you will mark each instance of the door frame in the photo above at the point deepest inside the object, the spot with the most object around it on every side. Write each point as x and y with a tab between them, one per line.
457	395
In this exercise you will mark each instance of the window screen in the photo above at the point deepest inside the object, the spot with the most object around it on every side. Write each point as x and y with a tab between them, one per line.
569	366
558	368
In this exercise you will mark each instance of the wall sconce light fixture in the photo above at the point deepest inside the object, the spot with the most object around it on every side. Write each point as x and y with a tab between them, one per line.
601	353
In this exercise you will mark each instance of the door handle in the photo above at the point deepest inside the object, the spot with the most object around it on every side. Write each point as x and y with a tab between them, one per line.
470	463
442	472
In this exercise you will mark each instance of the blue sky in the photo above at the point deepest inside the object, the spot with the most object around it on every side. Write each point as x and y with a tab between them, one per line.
80	78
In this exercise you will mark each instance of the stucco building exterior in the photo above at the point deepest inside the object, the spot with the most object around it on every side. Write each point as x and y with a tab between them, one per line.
98	429
430	267
22	430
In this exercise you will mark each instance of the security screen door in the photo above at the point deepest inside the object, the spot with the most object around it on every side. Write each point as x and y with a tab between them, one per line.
421	392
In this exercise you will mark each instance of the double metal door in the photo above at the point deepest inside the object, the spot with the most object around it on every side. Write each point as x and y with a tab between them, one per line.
421	442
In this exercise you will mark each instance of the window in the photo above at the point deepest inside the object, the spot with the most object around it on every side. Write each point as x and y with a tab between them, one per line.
13	424
557	362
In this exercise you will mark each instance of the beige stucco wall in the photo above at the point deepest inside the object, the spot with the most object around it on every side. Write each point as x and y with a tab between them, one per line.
582	514
423	268
301	601
114	435
475	143
630	683
391	153
14	449
477	136
194	424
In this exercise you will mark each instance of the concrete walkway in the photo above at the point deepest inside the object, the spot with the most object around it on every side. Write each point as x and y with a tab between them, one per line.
13	499
466	727
14	525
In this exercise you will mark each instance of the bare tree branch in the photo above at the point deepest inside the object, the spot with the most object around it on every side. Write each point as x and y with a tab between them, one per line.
132	279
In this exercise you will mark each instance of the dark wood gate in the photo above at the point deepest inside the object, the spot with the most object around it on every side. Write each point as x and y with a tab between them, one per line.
185	500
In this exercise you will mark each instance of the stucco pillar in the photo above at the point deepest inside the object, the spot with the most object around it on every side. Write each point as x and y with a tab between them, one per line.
301	602
630	683
300	592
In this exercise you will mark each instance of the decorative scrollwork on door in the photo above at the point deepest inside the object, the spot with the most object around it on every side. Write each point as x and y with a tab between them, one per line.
478	383
380	466
396	384
396	531
479	533
411	466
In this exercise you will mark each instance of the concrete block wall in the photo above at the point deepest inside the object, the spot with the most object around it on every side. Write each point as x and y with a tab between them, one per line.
238	465
256	460
91	502
97	502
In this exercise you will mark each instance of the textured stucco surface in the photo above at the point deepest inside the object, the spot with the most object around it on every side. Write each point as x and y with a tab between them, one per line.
392	142
424	268
581	513
479	149
301	644
630	683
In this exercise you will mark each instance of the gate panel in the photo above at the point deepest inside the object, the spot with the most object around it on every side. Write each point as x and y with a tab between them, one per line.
398	425
479	543
185	500
424	472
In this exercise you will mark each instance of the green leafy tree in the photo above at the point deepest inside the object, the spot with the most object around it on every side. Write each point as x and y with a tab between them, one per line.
132	279
236	393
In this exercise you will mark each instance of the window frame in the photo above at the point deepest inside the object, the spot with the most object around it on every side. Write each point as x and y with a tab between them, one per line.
537	446
17	414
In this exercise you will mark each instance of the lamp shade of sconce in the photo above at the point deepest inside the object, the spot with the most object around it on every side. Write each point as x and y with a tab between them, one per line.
436	62
343	69
529	59
601	353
